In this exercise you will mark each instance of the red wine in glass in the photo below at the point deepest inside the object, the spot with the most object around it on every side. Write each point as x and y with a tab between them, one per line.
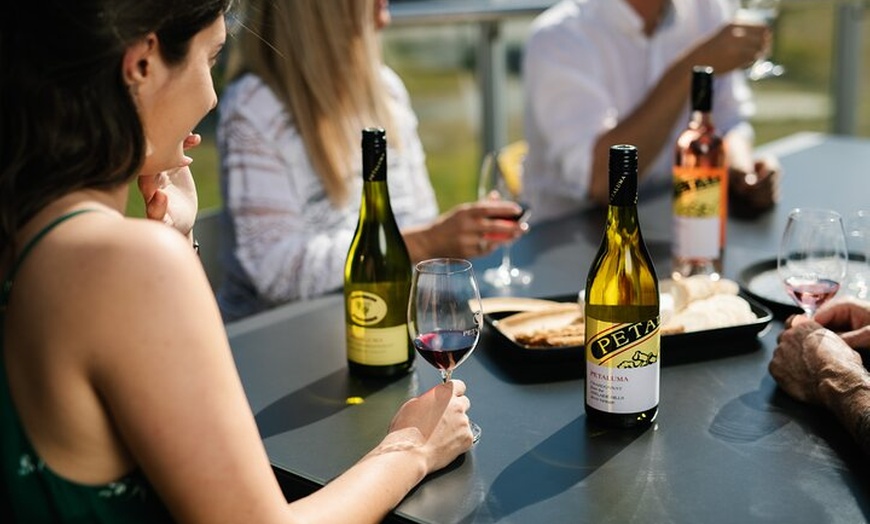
447	348
811	294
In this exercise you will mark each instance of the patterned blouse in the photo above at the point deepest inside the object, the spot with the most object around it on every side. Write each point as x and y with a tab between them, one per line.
283	239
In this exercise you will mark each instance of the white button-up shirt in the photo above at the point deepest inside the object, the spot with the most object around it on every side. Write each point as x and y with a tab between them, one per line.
587	65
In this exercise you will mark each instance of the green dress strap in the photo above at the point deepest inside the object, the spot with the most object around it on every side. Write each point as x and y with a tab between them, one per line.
30	491
7	282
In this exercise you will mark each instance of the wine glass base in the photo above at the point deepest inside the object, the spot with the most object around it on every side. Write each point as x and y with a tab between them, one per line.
475	432
507	276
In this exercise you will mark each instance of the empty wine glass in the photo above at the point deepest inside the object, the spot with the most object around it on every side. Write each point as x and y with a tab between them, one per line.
445	315
760	12
501	176
858	241
813	257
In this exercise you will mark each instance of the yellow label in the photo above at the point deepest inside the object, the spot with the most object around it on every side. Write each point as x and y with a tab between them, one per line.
698	191
622	365
377	346
700	211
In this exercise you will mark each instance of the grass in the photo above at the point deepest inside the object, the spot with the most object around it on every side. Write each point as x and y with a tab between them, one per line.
439	75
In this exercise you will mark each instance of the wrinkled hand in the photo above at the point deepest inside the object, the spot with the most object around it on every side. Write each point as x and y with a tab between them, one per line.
440	417
756	192
806	354
849	318
170	196
476	229
735	46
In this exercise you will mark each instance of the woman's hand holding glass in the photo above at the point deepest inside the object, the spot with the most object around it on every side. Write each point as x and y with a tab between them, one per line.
501	178
445	315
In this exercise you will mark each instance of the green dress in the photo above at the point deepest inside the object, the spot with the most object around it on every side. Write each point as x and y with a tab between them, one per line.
30	492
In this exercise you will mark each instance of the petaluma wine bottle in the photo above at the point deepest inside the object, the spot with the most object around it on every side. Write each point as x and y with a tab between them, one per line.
700	187
622	311
377	275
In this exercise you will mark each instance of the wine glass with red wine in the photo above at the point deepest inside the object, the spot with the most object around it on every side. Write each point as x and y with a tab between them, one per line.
501	177
445	314
813	257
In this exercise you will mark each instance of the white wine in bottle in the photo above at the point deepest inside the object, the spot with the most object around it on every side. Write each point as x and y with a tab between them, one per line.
377	276
622	311
700	187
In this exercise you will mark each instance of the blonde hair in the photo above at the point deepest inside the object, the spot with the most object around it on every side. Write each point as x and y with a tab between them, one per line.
322	58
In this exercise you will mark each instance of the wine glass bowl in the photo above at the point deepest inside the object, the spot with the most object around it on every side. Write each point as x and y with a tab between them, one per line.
760	12
813	257
445	315
501	177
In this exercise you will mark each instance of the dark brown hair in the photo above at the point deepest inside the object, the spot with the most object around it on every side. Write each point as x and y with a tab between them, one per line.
67	118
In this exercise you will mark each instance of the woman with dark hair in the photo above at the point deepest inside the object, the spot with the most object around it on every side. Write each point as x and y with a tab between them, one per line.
119	400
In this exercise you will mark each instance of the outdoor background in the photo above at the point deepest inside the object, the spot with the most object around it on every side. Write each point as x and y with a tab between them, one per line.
437	65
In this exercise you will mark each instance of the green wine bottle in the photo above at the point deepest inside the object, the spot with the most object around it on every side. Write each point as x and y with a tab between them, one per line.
377	276
622	311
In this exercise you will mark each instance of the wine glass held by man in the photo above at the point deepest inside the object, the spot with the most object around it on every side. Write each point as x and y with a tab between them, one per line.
762	13
816	361
288	137
638	96
119	389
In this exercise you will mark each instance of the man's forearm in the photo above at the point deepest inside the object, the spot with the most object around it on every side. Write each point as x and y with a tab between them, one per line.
847	395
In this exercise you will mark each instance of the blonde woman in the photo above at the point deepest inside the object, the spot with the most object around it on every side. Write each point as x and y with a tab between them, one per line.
311	78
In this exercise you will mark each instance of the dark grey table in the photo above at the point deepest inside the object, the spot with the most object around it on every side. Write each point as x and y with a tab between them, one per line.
727	447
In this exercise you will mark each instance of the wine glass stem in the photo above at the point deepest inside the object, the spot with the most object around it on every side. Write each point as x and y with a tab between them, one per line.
446	374
506	256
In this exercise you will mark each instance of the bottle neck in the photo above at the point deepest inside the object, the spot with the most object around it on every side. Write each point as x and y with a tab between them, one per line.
701	119
375	206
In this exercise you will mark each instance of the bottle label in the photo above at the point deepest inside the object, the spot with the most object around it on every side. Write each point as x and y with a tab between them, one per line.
370	339
377	346
622	365
699	209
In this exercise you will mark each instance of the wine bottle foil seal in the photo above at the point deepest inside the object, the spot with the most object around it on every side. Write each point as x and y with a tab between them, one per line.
374	146
623	175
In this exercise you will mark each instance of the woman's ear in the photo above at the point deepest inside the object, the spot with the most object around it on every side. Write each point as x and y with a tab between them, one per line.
139	61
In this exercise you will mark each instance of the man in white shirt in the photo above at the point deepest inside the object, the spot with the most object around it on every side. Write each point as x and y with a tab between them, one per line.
602	72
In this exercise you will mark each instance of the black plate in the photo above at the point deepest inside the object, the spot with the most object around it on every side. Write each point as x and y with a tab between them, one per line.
761	281
677	348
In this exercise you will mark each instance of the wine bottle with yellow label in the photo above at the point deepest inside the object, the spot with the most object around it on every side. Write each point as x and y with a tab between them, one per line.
622	311
700	187
377	276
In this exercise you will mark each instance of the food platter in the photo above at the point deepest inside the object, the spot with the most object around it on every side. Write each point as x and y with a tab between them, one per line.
676	347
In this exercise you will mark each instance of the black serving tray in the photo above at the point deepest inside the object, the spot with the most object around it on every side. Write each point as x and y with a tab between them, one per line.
676	348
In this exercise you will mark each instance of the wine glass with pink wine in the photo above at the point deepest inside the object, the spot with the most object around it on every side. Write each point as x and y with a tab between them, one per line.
813	257
445	315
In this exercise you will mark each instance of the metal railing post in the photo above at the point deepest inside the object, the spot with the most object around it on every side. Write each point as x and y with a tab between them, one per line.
846	81
492	72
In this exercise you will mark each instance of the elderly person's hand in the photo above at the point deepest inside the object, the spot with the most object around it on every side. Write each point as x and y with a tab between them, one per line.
170	196
849	318
809	356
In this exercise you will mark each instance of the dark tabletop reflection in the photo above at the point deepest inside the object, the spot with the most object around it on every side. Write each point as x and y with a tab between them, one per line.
315	402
